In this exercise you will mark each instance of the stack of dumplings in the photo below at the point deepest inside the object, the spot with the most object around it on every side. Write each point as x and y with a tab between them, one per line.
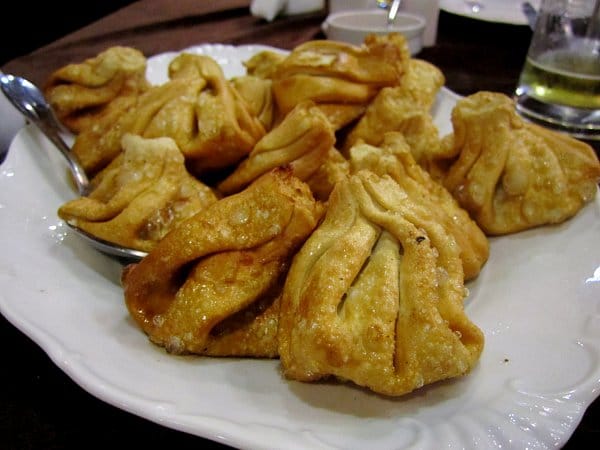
309	210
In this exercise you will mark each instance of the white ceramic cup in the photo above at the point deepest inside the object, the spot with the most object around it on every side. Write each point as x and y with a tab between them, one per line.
353	26
428	9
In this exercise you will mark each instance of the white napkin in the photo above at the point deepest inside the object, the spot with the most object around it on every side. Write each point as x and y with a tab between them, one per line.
269	9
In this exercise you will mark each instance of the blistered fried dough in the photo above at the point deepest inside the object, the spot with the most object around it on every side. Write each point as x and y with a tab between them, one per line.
259	96
197	107
336	73
301	141
217	276
512	175
375	295
405	108
394	158
107	84
142	195
166	110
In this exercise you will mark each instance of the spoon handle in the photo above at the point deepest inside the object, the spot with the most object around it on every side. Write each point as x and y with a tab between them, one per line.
49	127
30	102
393	12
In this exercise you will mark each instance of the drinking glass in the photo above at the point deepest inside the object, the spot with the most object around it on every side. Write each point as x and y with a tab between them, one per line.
559	85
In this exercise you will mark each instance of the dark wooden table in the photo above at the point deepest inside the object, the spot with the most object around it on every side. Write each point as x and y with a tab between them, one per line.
41	407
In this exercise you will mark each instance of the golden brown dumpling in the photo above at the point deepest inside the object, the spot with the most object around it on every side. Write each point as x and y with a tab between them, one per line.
301	141
221	126
339	77
141	196
211	286
406	109
198	108
511	175
375	295
106	85
394	158
97	146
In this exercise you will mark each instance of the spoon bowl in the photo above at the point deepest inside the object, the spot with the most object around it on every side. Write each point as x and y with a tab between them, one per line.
30	101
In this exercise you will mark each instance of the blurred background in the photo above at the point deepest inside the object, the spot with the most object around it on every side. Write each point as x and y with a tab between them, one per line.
51	21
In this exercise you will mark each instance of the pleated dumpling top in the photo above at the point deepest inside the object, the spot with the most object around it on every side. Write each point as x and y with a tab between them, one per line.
375	296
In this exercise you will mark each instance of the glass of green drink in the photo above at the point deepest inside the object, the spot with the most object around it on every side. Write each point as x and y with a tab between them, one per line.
559	86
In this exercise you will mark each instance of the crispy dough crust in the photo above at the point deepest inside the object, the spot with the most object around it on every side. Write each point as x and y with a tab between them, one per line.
141	196
211	286
375	295
394	158
198	108
340	77
104	86
302	141
512	175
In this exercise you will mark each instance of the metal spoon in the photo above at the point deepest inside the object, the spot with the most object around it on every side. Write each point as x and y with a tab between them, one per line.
30	101
394	7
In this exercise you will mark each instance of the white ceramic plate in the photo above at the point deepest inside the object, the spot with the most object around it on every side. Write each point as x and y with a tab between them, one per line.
537	301
504	11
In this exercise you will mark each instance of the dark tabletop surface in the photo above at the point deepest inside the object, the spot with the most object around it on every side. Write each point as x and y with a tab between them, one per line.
41	407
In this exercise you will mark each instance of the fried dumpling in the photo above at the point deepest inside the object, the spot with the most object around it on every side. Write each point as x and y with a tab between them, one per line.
405	109
198	108
162	111
375	295
106	85
394	158
511	175
211	285
341	78
222	128
301	141
141	196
